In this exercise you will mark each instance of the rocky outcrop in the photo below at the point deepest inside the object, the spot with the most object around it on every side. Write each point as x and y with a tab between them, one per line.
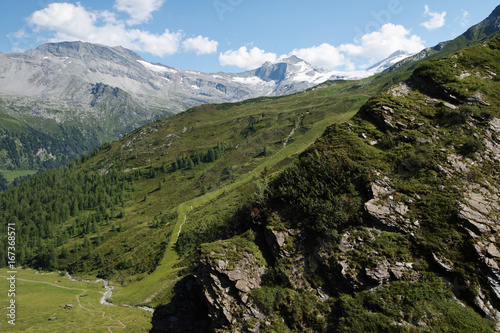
384	209
479	214
380	269
227	274
288	248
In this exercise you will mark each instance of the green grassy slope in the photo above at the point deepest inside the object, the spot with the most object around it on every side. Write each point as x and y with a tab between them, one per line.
41	299
404	141
119	212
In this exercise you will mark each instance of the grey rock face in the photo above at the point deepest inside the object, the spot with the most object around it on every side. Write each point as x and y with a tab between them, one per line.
226	285
384	209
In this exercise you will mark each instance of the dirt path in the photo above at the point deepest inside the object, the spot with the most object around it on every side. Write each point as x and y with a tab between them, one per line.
81	291
103	315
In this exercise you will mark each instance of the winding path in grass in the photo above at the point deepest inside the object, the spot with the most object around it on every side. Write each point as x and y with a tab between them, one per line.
166	274
81	291
103	315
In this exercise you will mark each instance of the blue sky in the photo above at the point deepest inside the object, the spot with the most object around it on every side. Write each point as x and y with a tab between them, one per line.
236	35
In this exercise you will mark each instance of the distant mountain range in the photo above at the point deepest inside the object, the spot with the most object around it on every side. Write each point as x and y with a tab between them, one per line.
62	91
70	73
67	98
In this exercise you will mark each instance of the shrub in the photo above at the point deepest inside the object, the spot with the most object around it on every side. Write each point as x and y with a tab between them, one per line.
471	146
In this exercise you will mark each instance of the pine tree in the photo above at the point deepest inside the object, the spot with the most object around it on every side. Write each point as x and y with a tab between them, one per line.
64	252
211	155
86	242
266	151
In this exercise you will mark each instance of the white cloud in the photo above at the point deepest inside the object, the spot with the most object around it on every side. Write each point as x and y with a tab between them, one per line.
139	10
380	44
370	48
65	18
200	45
243	58
70	22
20	34
464	18
160	45
325	55
436	20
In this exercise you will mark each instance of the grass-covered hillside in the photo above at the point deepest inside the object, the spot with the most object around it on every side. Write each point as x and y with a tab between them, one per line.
135	210
26	149
387	223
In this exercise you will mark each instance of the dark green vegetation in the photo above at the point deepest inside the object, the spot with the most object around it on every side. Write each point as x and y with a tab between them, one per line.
25	147
111	212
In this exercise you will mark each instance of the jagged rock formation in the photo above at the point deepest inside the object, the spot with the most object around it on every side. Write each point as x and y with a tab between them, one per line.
226	289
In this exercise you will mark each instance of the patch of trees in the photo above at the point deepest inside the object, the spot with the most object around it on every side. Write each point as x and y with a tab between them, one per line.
208	156
55	206
36	150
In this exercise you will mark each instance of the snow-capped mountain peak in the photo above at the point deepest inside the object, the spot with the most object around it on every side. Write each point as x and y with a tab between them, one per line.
389	61
292	60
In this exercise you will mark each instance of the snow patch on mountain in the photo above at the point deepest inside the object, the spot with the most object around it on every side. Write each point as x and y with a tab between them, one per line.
389	61
253	80
156	68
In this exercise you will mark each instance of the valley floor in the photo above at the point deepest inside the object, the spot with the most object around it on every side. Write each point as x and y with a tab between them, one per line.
43	305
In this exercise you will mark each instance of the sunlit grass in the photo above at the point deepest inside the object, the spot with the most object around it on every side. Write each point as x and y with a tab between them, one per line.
41	298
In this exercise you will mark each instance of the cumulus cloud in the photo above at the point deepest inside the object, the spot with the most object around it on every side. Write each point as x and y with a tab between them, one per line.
20	34
380	44
436	20
369	49
244	58
70	22
200	45
324	55
64	18
139	10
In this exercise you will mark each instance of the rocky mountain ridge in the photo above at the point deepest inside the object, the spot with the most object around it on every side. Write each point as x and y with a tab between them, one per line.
61	69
